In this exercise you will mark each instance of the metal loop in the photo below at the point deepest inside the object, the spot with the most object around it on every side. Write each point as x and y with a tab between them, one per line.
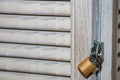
97	53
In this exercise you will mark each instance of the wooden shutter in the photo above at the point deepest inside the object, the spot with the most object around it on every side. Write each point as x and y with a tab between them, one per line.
47	39
35	40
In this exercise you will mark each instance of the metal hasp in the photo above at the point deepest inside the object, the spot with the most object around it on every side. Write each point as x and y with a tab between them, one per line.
97	53
94	61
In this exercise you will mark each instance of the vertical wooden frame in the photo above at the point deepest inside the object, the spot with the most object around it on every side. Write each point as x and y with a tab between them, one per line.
108	36
82	22
81	34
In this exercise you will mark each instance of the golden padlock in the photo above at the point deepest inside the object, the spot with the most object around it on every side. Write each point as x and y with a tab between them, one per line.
89	65
86	67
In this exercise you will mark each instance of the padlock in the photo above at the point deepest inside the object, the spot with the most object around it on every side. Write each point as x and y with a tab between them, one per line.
89	64
86	67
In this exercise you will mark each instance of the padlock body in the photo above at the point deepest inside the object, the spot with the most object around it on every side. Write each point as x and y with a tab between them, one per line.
86	67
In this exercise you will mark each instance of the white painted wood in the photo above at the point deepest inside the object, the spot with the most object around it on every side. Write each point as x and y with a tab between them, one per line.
35	7
32	16
108	36
36	37
83	28
38	52
81	34
35	22
23	76
35	66
73	40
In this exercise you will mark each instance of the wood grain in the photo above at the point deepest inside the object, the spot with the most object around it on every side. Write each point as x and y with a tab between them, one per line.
35	7
36	37
38	52
35	22
35	40
23	76
35	66
72	41
82	34
108	36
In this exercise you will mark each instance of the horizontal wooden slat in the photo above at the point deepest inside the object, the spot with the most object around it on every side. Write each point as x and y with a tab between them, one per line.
35	7
35	66
35	22
38	52
119	19
118	33
118	48
35	37
23	76
118	62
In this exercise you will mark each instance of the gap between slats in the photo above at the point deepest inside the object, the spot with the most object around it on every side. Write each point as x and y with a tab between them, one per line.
35	37
37	52
35	22
119	68
36	7
35	66
23	76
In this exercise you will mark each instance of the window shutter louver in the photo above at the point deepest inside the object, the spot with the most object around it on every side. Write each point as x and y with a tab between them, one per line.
35	40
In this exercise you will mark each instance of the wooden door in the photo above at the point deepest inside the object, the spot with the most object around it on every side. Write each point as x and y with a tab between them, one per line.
84	12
